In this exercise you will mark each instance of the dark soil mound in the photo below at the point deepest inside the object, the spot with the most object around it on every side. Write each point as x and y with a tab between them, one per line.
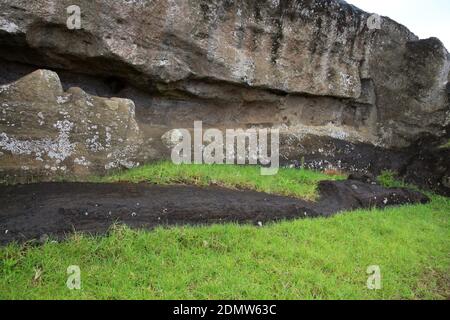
36	211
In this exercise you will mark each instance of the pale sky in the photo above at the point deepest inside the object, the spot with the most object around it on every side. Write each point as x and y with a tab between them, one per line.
426	18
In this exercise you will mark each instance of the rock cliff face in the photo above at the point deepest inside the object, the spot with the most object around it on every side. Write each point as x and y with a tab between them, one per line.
316	69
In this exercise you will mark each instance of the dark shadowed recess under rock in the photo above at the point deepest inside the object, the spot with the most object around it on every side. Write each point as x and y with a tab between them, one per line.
39	211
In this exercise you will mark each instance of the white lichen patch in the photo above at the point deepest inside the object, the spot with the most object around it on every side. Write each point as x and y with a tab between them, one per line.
108	137
347	81
82	161
8	26
41	118
121	158
65	115
94	144
62	99
244	67
4	88
57	149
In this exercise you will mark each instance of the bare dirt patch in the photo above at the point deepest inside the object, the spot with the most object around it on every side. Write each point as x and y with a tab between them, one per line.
39	211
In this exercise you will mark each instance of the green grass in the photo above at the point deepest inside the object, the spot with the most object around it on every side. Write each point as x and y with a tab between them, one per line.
304	259
389	179
446	145
288	182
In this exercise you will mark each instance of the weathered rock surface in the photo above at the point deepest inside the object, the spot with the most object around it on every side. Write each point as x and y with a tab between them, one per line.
44	129
312	68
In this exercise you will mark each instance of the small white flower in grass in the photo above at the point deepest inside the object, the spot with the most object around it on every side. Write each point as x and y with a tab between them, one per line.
6	231
86	214
133	214
260	224
385	201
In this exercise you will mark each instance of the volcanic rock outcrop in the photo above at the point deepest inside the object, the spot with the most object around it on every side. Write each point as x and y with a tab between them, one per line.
341	88
70	132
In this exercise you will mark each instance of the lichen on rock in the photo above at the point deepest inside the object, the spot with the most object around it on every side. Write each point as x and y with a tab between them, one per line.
138	69
58	130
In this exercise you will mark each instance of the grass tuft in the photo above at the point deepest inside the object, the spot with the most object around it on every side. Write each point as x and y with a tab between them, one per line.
446	145
288	182
388	179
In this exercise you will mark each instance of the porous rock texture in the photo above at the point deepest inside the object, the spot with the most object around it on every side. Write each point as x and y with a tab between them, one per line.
64	132
341	91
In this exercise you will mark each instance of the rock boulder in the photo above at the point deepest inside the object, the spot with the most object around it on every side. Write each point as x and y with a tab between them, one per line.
45	131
